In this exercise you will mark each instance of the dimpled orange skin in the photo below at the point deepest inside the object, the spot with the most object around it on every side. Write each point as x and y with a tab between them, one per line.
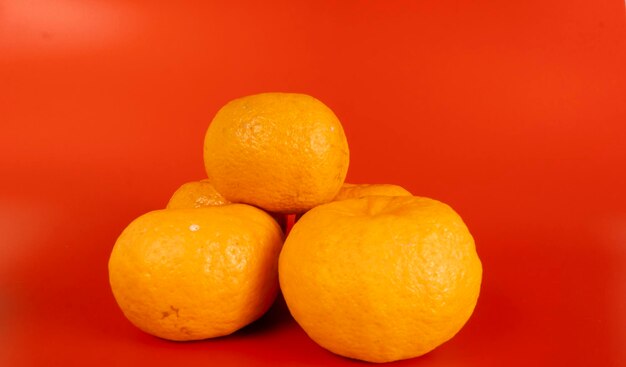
380	278
283	152
353	191
187	274
196	194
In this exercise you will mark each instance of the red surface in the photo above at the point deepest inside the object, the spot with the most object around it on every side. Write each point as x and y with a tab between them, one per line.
513	112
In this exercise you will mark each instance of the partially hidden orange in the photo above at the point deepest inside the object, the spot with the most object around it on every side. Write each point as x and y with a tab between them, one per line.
283	152
196	194
354	191
380	278
187	274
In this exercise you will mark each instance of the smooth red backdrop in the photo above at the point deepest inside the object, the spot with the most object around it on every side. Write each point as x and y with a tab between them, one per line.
513	112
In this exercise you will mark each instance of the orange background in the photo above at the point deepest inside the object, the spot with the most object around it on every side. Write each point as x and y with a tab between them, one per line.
513	112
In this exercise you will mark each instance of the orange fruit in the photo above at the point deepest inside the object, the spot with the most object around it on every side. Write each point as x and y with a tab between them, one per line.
196	194
186	274
199	194
353	191
380	278
282	152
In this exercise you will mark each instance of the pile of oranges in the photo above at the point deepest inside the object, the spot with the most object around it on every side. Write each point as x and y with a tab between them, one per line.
369	272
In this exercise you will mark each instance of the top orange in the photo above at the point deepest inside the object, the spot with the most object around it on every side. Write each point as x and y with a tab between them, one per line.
283	152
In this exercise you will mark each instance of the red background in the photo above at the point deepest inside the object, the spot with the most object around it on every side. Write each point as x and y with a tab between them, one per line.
513	112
